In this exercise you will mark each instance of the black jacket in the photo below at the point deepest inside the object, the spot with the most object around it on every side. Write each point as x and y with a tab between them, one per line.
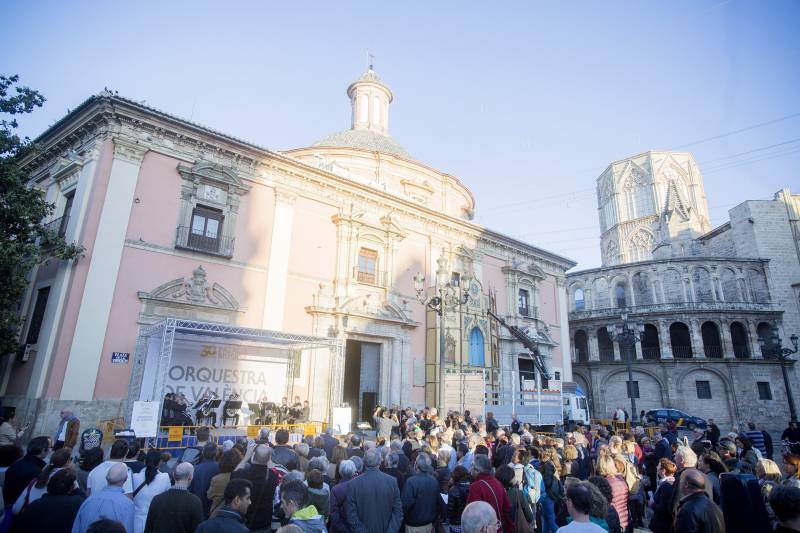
456	501
698	514
53	514
398	475
421	499
225	521
491	426
174	511
663	449
661	522
19	475
373	503
264	480
284	455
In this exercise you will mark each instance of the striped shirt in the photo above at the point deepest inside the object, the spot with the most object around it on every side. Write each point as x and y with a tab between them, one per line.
757	438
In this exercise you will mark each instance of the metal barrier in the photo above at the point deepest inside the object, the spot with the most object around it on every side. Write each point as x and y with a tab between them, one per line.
108	427
184	436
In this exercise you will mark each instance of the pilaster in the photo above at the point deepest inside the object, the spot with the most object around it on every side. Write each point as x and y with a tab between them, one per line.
697	340
727	341
594	349
278	262
664	344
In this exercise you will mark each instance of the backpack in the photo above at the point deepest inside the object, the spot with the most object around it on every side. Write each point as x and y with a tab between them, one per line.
532	484
632	478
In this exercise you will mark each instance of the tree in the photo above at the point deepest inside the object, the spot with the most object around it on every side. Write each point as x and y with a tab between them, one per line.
25	241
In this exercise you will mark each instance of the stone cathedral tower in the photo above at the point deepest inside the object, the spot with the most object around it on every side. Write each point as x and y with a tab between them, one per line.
651	205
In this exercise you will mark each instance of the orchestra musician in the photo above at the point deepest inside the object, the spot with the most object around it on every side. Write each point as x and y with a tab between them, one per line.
295	411
230	413
283	411
202	412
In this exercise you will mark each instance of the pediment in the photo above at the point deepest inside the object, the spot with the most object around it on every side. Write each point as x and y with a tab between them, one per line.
214	173
195	291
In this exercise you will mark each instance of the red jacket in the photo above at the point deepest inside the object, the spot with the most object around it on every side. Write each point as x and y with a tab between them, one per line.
486	488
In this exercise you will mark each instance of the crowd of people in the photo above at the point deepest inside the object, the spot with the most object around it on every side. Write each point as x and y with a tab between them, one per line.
418	472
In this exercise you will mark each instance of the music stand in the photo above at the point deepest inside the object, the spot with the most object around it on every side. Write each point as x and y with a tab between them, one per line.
235	405
255	407
210	406
214	404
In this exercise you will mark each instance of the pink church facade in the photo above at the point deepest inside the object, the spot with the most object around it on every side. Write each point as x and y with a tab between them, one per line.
181	221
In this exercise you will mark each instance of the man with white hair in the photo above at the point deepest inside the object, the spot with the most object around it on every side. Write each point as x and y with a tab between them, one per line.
68	427
176	510
109	502
373	499
479	517
685	459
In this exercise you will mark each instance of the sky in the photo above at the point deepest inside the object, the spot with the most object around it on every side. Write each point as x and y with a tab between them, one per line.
525	102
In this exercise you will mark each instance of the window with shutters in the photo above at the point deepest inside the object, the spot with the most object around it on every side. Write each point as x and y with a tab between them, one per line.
367	266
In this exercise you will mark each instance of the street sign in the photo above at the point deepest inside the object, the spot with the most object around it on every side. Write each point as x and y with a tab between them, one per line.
120	357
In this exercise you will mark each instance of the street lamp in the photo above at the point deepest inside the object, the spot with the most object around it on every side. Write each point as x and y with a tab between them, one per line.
775	349
448	294
627	336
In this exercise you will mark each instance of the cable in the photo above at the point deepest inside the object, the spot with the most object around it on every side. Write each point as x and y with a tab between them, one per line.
741	130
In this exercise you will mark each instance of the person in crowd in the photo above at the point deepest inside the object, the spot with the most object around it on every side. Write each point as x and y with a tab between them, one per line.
302	449
9	432
791	465
23	471
457	496
282	453
373	499
570	465
89	459
56	510
385	422
147	485
132	459
319	493
106	525
491	423
67	434
785	502
485	487
194	454
339	498
553	491
203	473
97	477
38	486
712	466
696	512
607	468
421	497
661	503
177	510
109	502
479	517
355	447
518	501
728	453
256	467
9	455
748	453
295	506
769	476
443	472
391	467
230	518
329	442
712	433
610	514
663	447
756	437
579	507
338	455
216	489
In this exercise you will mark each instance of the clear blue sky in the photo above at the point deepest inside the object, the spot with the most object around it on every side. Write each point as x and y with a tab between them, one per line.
525	102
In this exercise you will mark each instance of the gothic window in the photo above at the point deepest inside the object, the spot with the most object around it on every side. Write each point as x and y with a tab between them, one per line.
581	347
619	295
758	286
641	246
638	197
523	302
612	253
600	293
580	303
367	266
476	357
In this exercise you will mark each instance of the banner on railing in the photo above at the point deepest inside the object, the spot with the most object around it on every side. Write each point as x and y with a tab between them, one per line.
175	433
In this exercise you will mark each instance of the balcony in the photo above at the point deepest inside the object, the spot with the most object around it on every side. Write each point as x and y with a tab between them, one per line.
58	226
377	279
220	246
680	307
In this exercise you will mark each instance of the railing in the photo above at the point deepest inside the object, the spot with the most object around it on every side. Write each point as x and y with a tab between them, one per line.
378	279
606	354
651	352
615	312
713	352
220	245
682	352
184	436
741	351
58	226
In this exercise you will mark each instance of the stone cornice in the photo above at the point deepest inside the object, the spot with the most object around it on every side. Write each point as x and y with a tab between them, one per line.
672	261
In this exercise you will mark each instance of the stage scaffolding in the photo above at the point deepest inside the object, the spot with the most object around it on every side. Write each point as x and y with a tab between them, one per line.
154	349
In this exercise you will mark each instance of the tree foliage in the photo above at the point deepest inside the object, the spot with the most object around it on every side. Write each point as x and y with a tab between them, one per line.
25	241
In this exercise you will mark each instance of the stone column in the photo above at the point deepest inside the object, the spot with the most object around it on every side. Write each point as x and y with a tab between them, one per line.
278	266
594	350
104	256
654	283
727	340
587	299
689	288
755	348
697	340
629	287
638	346
663	340
617	351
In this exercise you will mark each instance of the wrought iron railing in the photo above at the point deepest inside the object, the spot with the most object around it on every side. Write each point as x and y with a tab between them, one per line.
220	245
58	226
682	352
741	351
615	312
713	352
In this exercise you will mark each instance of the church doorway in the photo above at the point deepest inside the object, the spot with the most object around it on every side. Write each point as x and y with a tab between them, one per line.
362	365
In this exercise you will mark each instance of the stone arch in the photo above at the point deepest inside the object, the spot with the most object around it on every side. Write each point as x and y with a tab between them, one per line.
703	291
601	296
641	287
712	341
605	345
730	286
621	295
651	345
764	331
581	344
477	347
672	283
709	406
577	296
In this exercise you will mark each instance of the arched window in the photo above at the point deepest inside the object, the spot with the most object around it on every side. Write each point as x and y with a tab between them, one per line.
681	340
601	294
741	348
641	246
730	287
758	286
612	254
642	289
605	345
712	344
702	285
673	286
651	346
580	303
619	295
581	347
476	348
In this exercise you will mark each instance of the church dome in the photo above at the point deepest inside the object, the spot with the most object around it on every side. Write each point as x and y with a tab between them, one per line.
369	99
364	139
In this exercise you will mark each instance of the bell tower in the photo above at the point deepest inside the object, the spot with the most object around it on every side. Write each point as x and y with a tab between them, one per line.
370	99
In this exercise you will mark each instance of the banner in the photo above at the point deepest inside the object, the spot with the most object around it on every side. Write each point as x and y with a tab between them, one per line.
252	371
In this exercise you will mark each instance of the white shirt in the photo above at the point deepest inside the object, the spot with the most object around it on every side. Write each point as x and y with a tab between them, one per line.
63	433
143	498
97	478
581	527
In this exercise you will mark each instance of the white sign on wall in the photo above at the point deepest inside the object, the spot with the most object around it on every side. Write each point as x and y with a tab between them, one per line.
144	420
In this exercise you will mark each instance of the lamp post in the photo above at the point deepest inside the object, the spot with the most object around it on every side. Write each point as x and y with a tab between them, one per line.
775	349
447	294
627	336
